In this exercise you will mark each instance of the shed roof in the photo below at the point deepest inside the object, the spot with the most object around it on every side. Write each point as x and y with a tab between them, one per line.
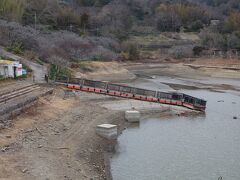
5	62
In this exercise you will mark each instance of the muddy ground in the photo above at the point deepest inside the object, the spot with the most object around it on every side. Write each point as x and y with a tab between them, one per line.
55	139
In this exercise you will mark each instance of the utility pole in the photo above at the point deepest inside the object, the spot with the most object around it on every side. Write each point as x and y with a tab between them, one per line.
84	28
98	32
228	44
35	20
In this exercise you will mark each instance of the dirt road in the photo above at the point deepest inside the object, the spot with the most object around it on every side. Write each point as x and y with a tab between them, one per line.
39	71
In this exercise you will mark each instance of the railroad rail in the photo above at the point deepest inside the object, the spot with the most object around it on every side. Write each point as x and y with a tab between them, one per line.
107	88
4	97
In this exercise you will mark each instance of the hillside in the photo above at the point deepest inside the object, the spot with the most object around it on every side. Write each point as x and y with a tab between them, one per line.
57	31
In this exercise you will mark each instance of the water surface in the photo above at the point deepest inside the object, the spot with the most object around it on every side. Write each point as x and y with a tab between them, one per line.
202	147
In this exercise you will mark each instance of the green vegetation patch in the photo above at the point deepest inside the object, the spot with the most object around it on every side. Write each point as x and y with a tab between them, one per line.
57	71
16	48
39	61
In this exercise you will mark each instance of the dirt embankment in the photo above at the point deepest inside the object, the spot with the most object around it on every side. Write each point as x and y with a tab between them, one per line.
106	71
56	140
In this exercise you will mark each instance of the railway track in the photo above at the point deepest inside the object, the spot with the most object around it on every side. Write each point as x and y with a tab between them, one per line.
4	97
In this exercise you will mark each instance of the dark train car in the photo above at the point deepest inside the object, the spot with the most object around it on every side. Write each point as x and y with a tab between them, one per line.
125	89
143	92
113	87
194	103
118	90
170	98
88	83
94	84
164	95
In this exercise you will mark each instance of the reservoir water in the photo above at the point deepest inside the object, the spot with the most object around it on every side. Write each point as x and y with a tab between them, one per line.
203	147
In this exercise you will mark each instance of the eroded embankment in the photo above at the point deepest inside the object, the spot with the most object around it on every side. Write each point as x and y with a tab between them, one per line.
14	102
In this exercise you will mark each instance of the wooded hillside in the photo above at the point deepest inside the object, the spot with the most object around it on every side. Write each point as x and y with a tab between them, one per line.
216	21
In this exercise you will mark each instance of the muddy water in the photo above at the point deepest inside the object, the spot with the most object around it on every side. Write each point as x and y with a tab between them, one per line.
205	147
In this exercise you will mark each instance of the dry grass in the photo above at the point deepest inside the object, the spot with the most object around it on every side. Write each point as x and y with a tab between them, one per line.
218	62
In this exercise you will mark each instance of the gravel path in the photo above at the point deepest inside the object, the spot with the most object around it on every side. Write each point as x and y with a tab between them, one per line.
39	71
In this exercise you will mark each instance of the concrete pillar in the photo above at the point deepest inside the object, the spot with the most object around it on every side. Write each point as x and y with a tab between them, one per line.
108	131
132	116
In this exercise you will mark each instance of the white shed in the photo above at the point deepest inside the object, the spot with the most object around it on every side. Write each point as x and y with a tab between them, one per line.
10	69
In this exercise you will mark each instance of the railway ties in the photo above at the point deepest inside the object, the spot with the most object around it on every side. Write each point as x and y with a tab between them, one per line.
7	96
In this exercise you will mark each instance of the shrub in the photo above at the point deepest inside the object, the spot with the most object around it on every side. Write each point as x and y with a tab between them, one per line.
16	47
12	9
212	39
233	41
179	52
131	51
57	71
67	16
1	77
195	26
233	21
197	50
39	61
168	22
29	70
63	44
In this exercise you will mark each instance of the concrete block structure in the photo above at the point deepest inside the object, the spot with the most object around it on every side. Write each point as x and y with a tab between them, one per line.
108	131
132	116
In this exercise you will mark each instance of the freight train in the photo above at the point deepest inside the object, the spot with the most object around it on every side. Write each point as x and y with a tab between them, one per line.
107	88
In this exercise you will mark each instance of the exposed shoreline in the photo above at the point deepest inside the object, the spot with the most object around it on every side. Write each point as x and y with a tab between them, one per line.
56	139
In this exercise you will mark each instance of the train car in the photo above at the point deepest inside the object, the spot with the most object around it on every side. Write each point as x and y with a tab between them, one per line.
144	94
93	86
194	103
113	89
172	98
126	91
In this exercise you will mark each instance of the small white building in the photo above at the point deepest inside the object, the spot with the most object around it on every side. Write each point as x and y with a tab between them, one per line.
215	22
10	69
